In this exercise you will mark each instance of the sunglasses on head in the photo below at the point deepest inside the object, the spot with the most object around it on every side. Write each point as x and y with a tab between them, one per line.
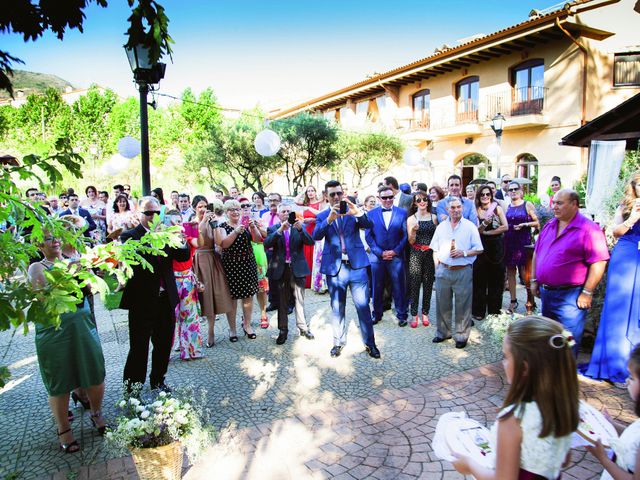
387	197
336	194
151	213
420	200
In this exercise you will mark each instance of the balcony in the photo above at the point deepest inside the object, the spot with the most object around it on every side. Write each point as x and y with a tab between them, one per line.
523	106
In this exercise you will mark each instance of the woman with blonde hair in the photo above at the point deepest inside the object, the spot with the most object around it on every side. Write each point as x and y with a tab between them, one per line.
239	262
618	330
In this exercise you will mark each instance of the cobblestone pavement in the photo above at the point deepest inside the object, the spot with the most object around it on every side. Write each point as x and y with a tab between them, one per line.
286	412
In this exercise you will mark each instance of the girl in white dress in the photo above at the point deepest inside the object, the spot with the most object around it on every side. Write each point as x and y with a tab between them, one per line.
532	434
625	464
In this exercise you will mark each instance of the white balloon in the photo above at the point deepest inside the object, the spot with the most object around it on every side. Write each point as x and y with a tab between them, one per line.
412	156
493	150
129	147
118	162
267	143
449	155
204	171
107	169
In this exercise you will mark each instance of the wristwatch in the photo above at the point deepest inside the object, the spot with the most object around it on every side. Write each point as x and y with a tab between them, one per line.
464	253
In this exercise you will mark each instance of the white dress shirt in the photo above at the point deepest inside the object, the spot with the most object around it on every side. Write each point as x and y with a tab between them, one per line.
466	236
386	216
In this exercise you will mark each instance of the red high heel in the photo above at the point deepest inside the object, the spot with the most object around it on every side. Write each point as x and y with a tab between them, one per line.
425	320
414	322
264	322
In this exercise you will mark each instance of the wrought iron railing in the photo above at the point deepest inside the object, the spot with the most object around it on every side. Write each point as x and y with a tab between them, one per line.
516	101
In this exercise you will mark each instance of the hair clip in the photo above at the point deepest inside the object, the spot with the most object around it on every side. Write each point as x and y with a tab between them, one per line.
562	339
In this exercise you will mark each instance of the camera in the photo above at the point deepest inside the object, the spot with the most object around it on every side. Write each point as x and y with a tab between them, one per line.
213	224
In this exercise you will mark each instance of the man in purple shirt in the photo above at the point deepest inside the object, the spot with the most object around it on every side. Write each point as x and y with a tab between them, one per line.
569	260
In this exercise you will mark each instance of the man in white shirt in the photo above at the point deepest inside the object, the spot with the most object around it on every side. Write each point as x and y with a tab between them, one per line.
455	245
503	192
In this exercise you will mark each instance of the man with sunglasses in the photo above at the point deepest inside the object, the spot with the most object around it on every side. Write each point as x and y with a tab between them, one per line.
400	199
387	239
503	192
151	297
345	262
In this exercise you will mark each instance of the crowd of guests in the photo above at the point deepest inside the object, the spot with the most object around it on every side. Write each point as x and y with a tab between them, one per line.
393	247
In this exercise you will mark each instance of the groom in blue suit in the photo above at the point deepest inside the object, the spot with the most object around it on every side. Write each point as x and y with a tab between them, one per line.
345	262
387	239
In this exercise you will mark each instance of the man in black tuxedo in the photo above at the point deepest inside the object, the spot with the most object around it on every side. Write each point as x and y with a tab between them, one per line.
75	209
288	268
151	298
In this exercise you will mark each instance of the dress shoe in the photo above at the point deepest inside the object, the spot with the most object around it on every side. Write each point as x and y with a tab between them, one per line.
162	387
307	334
271	307
336	350
402	323
375	321
289	310
461	344
373	351
439	339
281	338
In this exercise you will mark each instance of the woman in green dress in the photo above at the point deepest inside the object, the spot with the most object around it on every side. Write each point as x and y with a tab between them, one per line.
70	356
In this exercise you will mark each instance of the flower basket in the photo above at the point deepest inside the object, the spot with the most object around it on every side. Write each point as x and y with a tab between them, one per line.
159	463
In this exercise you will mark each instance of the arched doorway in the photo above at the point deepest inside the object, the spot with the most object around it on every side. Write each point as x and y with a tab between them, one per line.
527	167
473	165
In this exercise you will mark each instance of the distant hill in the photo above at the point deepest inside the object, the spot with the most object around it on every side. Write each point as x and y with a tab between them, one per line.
33	82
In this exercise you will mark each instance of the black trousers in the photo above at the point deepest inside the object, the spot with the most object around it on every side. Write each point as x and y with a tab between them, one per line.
153	321
488	285
286	285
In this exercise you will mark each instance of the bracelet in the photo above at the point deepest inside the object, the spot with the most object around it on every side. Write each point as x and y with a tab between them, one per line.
627	224
587	292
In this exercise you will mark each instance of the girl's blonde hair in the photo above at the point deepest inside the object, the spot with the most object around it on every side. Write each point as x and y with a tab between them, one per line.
544	372
629	199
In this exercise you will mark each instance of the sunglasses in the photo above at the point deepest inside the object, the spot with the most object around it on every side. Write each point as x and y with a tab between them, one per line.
151	213
514	189
387	197
485	194
506	181
336	194
245	205
420	200
127	189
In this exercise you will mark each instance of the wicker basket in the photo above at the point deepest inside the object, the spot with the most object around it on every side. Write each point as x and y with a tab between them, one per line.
159	463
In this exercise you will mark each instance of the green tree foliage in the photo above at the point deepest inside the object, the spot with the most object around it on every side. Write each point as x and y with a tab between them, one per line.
308	146
230	151
367	154
90	113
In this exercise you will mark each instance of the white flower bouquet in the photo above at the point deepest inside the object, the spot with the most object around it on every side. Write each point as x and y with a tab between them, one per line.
159	420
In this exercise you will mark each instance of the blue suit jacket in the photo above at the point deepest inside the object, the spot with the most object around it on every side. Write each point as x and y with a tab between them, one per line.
332	251
380	238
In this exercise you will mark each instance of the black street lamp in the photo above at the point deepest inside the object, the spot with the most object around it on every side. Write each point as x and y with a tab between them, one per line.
497	125
146	74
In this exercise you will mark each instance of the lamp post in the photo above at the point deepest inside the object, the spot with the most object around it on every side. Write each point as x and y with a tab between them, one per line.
497	124
145	74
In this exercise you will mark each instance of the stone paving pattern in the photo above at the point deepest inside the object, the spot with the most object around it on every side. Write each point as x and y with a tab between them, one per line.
286	412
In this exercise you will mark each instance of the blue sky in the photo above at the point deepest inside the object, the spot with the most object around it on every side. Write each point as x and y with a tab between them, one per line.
268	52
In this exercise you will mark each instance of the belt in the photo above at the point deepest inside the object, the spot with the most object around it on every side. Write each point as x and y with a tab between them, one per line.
454	267
424	248
559	287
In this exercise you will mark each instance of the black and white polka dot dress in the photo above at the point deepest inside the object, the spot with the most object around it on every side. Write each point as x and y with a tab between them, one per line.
240	266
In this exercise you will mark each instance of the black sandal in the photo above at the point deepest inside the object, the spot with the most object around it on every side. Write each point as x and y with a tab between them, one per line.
101	430
76	398
71	447
512	306
233	338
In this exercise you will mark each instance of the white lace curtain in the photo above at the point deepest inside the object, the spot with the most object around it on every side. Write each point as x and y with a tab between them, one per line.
605	160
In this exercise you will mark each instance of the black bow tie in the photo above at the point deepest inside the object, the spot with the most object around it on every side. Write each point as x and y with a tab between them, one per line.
386	209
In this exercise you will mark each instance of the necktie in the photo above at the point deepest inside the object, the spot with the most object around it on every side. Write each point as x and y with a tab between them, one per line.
343	245
287	251
273	216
